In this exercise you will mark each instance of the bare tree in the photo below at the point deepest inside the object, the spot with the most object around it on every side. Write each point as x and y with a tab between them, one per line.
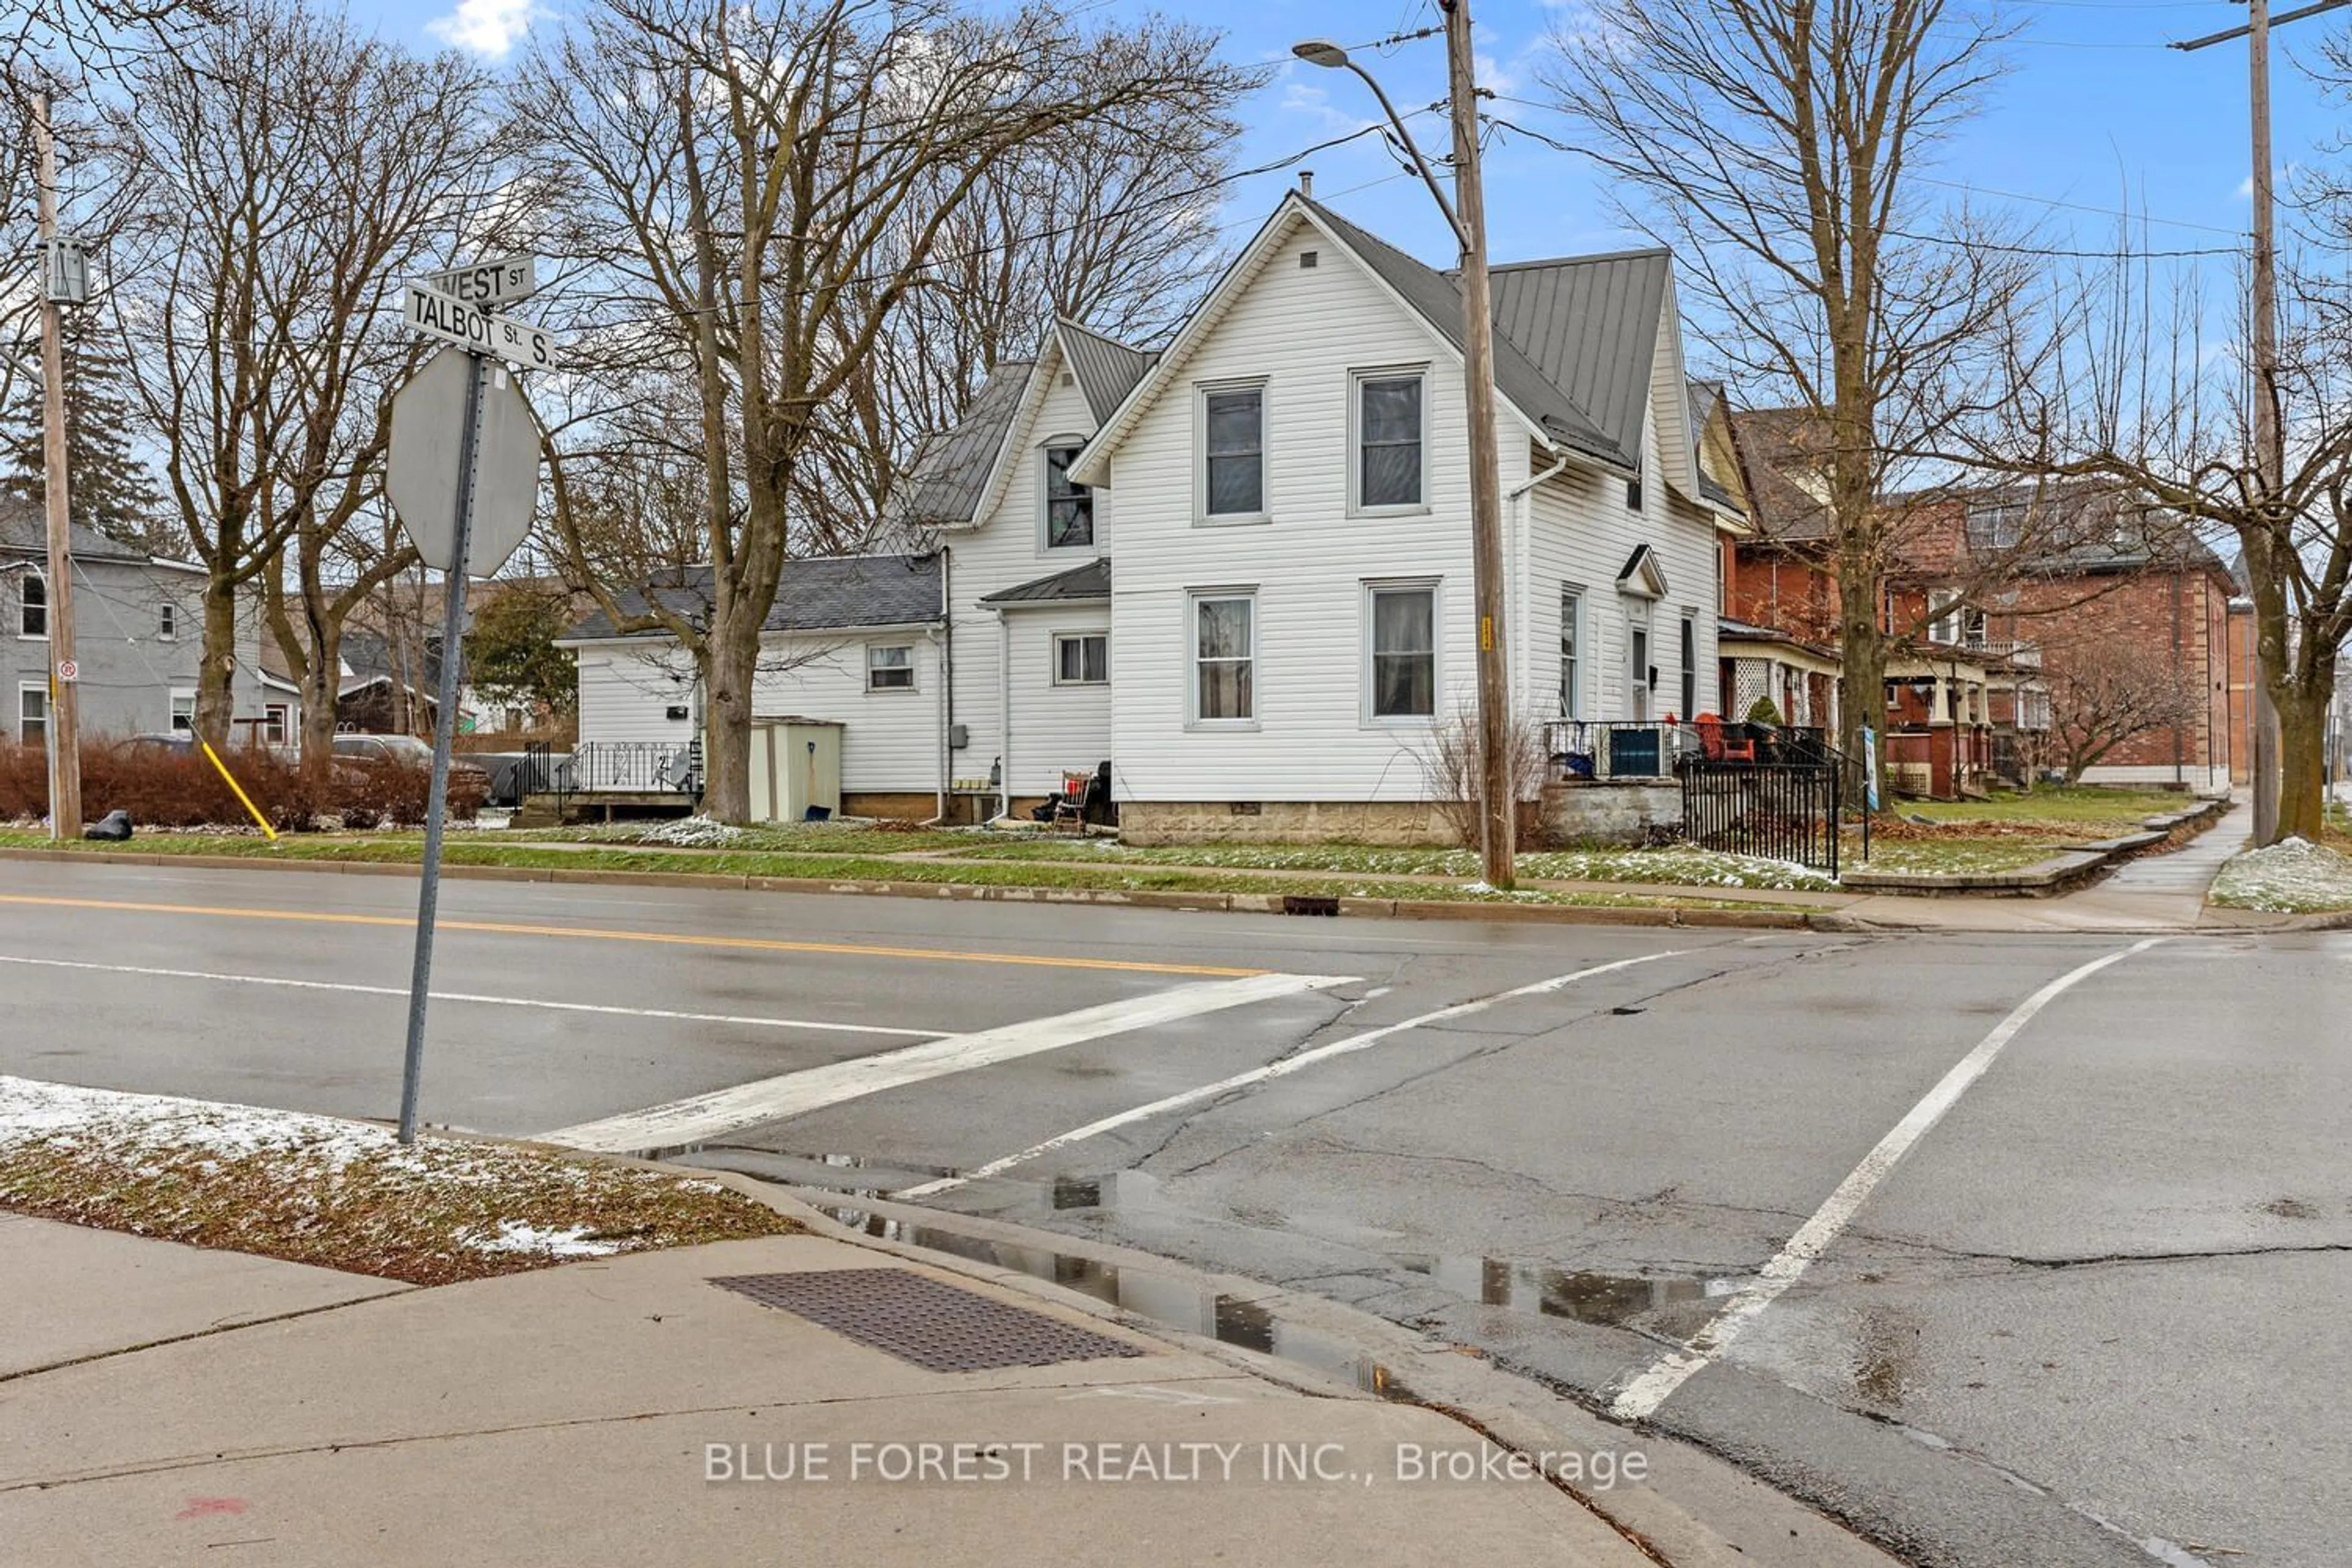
2104	693
1773	144
760	187
290	173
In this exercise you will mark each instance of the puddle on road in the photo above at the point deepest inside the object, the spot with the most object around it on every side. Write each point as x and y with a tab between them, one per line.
1583	1295
806	1170
1161	1298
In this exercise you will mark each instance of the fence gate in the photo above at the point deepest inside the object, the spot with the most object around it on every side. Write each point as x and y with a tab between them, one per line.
1781	811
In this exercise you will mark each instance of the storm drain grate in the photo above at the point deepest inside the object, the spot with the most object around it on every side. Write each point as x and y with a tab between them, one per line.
937	1327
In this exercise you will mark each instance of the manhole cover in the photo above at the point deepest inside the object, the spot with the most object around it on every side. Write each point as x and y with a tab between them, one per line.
937	1327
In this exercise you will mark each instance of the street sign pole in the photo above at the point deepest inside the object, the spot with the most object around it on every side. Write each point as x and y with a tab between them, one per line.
445	729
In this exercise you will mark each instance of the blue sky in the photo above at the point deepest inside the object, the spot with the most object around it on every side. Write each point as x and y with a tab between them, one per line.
2097	112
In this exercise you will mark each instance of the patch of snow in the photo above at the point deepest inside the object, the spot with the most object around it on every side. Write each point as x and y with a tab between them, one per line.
515	1236
692	833
2294	876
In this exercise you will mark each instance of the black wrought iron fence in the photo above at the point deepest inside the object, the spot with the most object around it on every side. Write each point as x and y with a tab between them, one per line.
1781	811
651	767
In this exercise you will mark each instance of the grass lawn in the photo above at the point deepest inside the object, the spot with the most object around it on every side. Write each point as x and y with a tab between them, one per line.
1683	867
2075	806
474	850
1947	854
2294	878
339	1195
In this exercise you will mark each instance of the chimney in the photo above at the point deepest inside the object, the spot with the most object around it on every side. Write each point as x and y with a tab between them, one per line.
1307	184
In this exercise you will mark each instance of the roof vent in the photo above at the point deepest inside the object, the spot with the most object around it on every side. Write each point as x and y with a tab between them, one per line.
1306	260
1070	380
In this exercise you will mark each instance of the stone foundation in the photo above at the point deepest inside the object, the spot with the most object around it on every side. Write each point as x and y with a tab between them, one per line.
1163	822
1626	811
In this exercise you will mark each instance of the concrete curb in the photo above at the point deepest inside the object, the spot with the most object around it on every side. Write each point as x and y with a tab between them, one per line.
1515	1413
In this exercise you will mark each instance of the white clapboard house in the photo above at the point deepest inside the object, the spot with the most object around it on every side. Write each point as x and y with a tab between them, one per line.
1237	568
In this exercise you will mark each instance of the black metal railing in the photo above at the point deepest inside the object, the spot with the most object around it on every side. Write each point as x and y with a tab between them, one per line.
1653	748
1779	810
537	773
626	767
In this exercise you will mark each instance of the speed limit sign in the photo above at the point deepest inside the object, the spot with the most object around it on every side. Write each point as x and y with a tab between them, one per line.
67	672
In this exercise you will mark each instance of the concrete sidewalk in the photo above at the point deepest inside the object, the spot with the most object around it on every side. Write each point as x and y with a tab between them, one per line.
166	1406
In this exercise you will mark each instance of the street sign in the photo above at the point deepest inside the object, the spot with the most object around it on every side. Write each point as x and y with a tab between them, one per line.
428	428
67	672
502	281
453	320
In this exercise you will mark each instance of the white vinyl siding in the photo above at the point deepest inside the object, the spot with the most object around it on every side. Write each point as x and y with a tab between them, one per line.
1307	333
890	739
626	693
1056	728
1008	549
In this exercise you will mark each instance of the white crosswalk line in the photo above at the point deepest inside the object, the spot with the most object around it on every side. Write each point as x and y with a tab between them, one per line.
702	1117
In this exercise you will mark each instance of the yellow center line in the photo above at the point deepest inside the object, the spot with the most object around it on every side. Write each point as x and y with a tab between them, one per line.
677	939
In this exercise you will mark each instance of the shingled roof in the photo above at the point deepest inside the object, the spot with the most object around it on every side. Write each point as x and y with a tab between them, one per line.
25	532
814	594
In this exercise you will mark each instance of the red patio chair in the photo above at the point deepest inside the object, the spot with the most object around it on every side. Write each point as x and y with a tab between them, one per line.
1717	747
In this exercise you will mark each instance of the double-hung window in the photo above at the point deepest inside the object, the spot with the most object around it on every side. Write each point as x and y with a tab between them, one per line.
890	666
184	712
32	606
1081	659
1069	508
1402	677
1571	653
1388	441
1224	657
33	715
1232	443
1690	665
167	622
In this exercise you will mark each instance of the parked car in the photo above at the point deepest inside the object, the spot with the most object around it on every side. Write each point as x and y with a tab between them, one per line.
408	751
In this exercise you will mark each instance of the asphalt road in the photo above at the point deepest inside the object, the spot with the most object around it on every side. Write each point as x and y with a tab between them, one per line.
2010	1250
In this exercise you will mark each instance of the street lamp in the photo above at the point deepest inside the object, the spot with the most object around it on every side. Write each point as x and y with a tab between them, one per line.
1466	214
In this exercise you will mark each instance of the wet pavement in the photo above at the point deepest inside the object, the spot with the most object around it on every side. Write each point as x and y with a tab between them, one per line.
2091	1315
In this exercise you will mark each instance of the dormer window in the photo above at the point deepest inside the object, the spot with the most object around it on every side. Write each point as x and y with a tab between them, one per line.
1069	508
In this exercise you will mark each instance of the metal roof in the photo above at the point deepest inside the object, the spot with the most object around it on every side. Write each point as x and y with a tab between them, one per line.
813	594
1107	369
1091	581
952	469
1537	374
1590	323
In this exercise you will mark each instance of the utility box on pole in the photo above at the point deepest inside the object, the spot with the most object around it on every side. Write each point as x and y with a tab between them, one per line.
65	270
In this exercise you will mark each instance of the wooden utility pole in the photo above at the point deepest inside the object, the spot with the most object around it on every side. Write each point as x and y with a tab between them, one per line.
2270	440
63	728
1498	791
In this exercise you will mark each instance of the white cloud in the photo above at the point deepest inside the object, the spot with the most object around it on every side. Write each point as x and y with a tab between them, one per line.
490	28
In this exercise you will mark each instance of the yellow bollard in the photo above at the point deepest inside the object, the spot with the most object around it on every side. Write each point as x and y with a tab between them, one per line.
241	795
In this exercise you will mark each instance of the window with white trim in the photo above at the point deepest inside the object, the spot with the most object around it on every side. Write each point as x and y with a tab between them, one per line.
1225	657
1400	674
33	606
274	716
1069	508
1232	453
33	715
890	666
1571	653
184	712
1081	659
1388	441
167	622
1690	665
